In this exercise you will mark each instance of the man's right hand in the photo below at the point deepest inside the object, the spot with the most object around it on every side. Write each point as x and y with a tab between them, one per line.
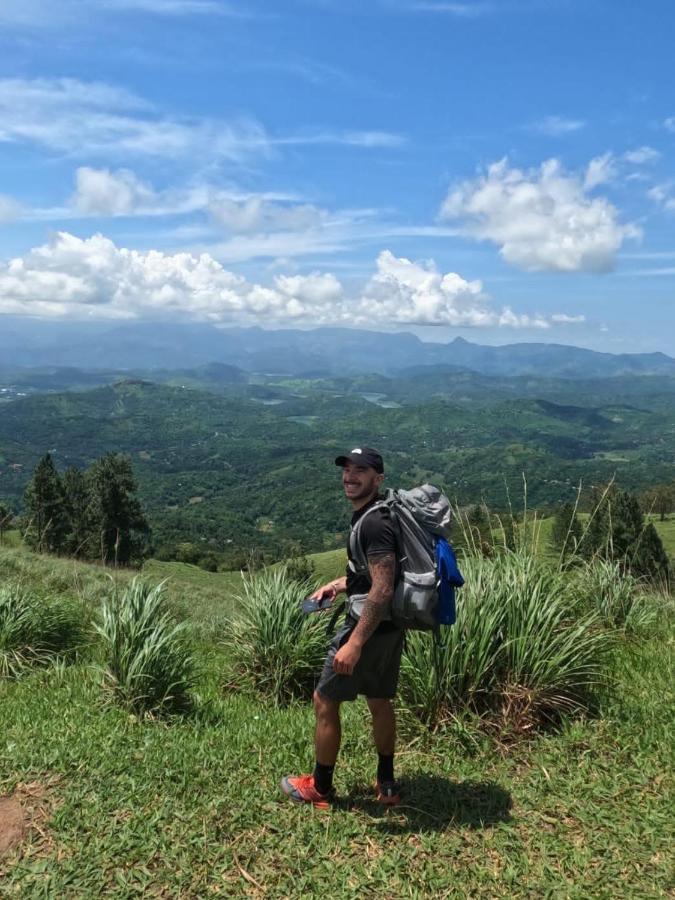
330	590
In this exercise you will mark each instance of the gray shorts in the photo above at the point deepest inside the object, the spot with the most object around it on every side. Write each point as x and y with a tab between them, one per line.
376	673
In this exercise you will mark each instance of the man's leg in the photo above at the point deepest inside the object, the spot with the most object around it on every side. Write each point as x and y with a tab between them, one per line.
384	733
332	690
317	788
384	725
328	730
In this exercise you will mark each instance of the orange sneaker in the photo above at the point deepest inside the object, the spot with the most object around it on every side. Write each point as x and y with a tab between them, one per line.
388	793
300	788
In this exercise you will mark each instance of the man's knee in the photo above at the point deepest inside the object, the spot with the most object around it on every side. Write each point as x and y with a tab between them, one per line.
325	708
380	707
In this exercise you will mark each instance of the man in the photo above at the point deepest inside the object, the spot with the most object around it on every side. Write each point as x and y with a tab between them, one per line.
364	657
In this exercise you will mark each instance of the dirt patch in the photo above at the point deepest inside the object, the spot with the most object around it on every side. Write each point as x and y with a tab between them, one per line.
22	813
13	822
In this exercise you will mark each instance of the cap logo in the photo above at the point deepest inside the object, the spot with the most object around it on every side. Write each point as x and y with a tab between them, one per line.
356	450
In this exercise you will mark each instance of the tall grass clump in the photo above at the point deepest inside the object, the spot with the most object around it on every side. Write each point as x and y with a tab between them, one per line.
275	649
37	630
521	654
149	666
618	597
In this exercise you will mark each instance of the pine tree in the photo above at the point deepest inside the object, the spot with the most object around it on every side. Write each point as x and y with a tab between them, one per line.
76	499
650	558
595	537
626	524
619	531
566	531
117	525
45	514
661	500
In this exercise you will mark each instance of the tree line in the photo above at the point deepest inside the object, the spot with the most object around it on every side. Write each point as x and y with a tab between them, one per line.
94	514
616	528
90	514
613	526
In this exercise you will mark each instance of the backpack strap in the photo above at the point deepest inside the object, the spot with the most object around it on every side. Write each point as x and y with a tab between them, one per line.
330	628
357	555
358	561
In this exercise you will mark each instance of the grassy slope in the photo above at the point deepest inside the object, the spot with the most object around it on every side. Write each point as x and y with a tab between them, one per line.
666	530
185	811
193	809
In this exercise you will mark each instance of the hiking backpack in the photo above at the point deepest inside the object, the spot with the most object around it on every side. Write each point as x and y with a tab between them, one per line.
424	597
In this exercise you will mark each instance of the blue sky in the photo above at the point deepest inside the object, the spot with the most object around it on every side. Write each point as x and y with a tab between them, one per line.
500	169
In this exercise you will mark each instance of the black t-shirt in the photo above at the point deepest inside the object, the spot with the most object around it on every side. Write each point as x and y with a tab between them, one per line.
377	534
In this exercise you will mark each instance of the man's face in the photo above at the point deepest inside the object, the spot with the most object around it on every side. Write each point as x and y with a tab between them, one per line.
360	482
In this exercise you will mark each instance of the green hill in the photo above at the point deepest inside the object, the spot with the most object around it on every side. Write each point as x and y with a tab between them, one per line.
252	466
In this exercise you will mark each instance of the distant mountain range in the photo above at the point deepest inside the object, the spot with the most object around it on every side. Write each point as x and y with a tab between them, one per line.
147	346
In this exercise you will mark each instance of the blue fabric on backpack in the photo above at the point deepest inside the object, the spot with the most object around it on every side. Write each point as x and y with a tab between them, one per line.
449	578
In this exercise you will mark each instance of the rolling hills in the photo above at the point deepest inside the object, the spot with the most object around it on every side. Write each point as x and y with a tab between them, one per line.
250	465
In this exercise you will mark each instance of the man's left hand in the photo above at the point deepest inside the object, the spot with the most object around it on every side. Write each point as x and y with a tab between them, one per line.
346	659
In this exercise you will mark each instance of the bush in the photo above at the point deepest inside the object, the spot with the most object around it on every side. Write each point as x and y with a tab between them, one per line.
36	630
208	562
149	665
301	569
275	648
615	594
522	651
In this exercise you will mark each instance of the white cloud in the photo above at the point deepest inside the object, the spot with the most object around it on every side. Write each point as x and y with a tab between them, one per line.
65	93
599	171
660	192
100	192
664	195
541	219
317	289
74	117
637	176
282	244
70	276
70	116
75	277
368	139
172	7
371	139
669	124
45	14
642	155
109	193
257	213
417	293
9	209
460	10
93	118
564	319
555	126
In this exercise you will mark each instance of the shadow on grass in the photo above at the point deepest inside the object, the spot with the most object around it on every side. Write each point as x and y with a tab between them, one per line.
432	803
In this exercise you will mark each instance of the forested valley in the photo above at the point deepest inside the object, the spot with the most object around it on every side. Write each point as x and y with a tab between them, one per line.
228	465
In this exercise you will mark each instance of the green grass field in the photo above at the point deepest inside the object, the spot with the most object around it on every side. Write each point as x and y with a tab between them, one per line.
666	530
118	807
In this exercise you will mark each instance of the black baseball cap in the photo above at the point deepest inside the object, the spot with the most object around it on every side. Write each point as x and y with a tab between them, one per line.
362	456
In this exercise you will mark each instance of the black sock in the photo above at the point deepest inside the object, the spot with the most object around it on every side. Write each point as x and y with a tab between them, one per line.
385	768
323	778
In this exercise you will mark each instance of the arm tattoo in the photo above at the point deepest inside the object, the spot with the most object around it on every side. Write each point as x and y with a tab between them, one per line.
382	568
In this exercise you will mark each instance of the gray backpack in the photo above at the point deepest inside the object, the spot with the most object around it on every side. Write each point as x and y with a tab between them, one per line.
420	516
